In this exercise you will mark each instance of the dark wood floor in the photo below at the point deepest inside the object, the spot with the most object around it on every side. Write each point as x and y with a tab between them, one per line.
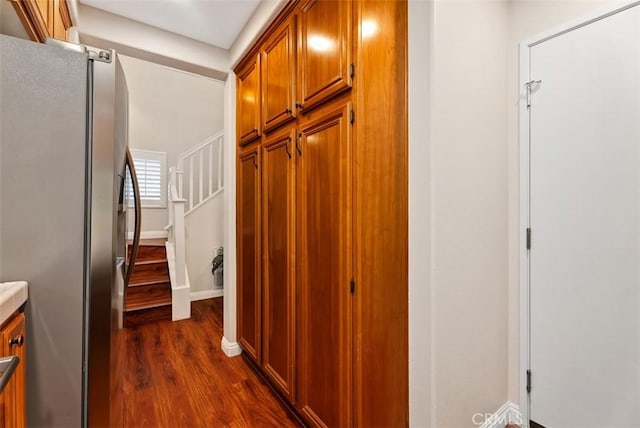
177	376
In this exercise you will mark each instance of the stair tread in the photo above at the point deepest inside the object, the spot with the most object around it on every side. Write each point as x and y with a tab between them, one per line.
149	262
140	317
147	297
150	242
149	253
147	271
140	283
138	306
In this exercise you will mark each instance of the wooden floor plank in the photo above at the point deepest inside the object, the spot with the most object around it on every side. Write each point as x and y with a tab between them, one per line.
177	376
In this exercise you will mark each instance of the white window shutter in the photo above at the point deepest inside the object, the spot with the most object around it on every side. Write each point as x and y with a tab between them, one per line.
151	172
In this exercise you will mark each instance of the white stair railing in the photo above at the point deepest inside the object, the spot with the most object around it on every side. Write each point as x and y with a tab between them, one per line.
203	166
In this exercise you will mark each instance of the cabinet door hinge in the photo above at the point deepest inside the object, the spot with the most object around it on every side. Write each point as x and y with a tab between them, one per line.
528	238
352	70
352	116
352	285
528	381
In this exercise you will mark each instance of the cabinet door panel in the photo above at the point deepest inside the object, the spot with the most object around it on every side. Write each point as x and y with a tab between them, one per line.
325	50
249	296
278	244
248	102
278	77
36	16
324	268
13	337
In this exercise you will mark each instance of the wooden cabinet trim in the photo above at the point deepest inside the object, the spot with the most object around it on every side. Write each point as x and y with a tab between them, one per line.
65	15
22	13
41	24
37	21
381	219
284	14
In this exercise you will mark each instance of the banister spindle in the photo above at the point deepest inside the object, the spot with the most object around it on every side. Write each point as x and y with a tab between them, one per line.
200	173
190	182
220	141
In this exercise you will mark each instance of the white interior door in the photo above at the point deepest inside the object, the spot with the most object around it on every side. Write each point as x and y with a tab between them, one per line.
585	220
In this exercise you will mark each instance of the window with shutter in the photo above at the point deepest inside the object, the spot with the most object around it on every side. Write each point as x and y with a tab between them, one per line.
151	170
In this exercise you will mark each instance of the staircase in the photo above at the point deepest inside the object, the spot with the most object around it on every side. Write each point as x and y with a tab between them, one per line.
196	180
148	297
159	288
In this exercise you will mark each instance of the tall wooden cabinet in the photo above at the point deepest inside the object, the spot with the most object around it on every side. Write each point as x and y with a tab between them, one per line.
322	260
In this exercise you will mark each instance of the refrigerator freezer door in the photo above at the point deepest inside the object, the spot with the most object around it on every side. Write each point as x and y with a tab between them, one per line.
43	139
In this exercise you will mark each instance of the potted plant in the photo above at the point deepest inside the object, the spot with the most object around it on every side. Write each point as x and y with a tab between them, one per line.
217	269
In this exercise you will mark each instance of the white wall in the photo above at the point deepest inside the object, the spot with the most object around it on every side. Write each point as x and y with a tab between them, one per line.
204	234
106	30
229	344
169	111
469	210
527	19
472	344
420	50
266	11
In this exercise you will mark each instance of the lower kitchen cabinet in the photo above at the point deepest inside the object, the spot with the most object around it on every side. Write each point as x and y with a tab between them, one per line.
13	397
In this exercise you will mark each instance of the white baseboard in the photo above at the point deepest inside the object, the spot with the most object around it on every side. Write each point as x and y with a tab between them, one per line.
230	349
206	294
509	413
151	234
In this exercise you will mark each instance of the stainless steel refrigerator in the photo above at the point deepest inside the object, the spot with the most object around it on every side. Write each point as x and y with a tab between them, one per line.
63	143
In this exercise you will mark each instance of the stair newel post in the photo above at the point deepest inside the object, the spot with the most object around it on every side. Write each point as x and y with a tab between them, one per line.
179	241
179	174
172	182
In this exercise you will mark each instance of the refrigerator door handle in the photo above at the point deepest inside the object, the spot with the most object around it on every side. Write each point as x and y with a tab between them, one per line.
138	219
8	366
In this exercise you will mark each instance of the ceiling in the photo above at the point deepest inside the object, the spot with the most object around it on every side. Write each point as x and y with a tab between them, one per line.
216	22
